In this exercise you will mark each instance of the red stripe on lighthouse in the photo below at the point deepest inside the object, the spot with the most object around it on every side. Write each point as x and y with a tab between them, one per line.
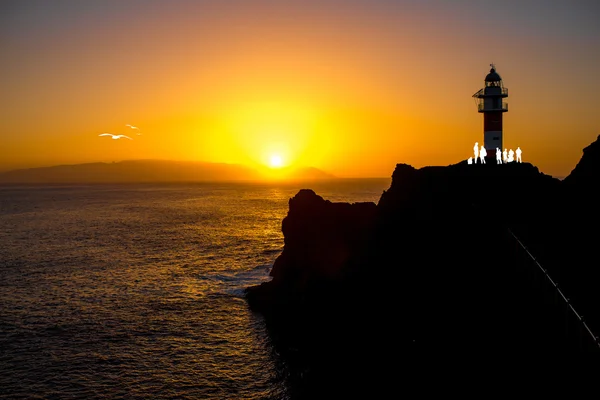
492	121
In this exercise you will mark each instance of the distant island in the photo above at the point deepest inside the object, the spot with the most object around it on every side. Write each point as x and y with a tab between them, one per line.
153	171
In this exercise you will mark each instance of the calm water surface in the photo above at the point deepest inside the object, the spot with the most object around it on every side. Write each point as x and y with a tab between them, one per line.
134	291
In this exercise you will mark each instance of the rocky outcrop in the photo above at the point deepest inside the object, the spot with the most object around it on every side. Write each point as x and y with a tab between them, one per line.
586	174
567	242
322	241
499	191
321	238
432	266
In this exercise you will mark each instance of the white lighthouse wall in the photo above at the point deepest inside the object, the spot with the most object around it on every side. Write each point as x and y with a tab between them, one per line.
491	140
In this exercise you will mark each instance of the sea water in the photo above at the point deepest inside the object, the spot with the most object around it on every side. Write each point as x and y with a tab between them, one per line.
135	291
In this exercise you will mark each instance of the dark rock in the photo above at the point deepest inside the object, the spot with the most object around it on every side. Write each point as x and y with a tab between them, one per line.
322	241
586	174
433	270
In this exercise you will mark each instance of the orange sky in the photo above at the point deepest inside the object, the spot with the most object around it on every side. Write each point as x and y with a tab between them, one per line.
351	87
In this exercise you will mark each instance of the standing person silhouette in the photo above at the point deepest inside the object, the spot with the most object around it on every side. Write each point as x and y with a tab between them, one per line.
498	156
476	152
505	156
518	152
482	154
470	160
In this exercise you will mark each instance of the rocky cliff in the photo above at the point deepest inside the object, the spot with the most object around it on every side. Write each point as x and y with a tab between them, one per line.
328	242
586	174
432	268
322	242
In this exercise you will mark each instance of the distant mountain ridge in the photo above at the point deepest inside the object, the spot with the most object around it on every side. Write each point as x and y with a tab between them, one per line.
148	171
305	173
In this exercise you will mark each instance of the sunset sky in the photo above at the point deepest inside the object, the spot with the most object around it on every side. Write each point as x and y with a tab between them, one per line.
351	87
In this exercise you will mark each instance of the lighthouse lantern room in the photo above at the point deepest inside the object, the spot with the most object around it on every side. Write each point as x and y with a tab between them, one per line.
490	102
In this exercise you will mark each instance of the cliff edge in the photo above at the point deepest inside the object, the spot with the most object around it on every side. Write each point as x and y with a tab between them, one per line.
433	269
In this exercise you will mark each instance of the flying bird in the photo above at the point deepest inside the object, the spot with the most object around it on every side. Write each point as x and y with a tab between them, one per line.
115	136
134	127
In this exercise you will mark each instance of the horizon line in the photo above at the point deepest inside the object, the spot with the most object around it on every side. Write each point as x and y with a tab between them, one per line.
12	169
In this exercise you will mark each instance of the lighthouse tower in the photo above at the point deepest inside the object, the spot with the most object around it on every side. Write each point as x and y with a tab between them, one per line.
490	102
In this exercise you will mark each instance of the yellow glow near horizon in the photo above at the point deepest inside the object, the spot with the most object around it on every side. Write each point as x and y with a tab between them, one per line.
276	161
352	92
265	133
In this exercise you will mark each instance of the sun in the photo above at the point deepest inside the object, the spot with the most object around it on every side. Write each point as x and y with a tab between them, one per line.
276	161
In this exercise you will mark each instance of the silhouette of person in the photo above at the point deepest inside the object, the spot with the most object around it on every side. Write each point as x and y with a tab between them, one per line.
482	154
476	152
518	152
504	156
498	156
470	160
511	155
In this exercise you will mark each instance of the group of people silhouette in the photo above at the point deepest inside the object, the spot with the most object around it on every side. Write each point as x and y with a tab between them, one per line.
502	157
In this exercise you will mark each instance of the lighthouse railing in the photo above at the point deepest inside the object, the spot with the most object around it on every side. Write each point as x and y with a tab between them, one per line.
478	93
583	328
482	107
481	92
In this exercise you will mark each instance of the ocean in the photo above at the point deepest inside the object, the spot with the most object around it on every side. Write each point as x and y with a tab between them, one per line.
135	291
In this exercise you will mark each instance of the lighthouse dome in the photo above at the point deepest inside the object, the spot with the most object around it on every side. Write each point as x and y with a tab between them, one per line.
493	76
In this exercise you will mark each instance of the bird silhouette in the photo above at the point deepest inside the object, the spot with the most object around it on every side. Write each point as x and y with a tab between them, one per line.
134	127
115	136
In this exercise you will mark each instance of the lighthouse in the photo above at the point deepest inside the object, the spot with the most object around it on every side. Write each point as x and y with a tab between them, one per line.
490	102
